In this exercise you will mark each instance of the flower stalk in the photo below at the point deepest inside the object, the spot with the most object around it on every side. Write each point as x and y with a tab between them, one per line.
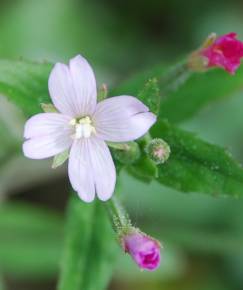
118	215
143	249
175	77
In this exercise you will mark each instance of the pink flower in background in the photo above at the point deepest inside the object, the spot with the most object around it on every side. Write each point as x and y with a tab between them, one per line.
226	51
83	125
144	250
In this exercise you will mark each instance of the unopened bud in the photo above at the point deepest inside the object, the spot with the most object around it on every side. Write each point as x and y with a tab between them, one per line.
158	150
144	250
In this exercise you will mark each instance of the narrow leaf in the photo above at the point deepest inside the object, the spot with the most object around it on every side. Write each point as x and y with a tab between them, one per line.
25	83
197	166
102	93
60	158
48	108
89	248
150	95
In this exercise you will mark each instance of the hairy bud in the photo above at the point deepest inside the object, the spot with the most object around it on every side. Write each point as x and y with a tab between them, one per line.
158	150
144	250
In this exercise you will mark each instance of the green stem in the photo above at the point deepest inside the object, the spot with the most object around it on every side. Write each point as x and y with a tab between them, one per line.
175	77
117	214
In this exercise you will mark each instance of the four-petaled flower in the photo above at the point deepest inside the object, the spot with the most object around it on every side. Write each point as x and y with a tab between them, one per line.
226	51
84	125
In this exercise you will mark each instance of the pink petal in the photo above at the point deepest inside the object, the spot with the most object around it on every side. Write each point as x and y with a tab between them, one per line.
80	170
46	124
122	119
103	169
46	146
84	85
225	52
91	169
49	134
73	88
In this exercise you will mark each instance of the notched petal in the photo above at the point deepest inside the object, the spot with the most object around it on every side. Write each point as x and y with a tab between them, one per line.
122	119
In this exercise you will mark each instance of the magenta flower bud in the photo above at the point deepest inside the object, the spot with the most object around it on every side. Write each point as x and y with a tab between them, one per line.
225	52
144	250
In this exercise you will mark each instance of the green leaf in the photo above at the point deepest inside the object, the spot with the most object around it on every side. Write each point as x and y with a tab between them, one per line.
25	83
102	93
30	240
150	95
144	169
90	248
197	166
200	90
155	84
133	85
60	158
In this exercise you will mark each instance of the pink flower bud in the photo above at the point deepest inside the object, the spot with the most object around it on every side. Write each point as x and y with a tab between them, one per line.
225	51
144	250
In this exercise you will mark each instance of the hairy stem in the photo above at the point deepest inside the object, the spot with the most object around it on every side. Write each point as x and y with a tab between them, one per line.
174	78
118	215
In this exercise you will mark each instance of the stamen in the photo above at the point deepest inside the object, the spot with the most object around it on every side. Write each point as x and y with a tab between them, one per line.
73	122
83	127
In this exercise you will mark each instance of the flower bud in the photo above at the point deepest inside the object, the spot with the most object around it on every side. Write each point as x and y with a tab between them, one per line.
144	250
224	51
158	150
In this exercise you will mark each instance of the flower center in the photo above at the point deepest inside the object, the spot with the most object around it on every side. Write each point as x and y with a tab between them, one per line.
83	127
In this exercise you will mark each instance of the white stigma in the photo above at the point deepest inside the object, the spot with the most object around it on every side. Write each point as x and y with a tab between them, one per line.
83	127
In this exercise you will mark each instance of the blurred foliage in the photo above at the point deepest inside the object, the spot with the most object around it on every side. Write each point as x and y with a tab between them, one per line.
89	247
30	240
25	83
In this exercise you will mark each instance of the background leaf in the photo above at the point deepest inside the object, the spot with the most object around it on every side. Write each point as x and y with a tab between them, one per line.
197	166
200	90
30	240
25	83
90	248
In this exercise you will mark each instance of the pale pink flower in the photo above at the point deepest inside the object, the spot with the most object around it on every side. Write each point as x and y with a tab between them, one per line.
83	126
226	51
144	250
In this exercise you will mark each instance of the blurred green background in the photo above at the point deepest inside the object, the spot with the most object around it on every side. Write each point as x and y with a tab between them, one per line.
202	235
